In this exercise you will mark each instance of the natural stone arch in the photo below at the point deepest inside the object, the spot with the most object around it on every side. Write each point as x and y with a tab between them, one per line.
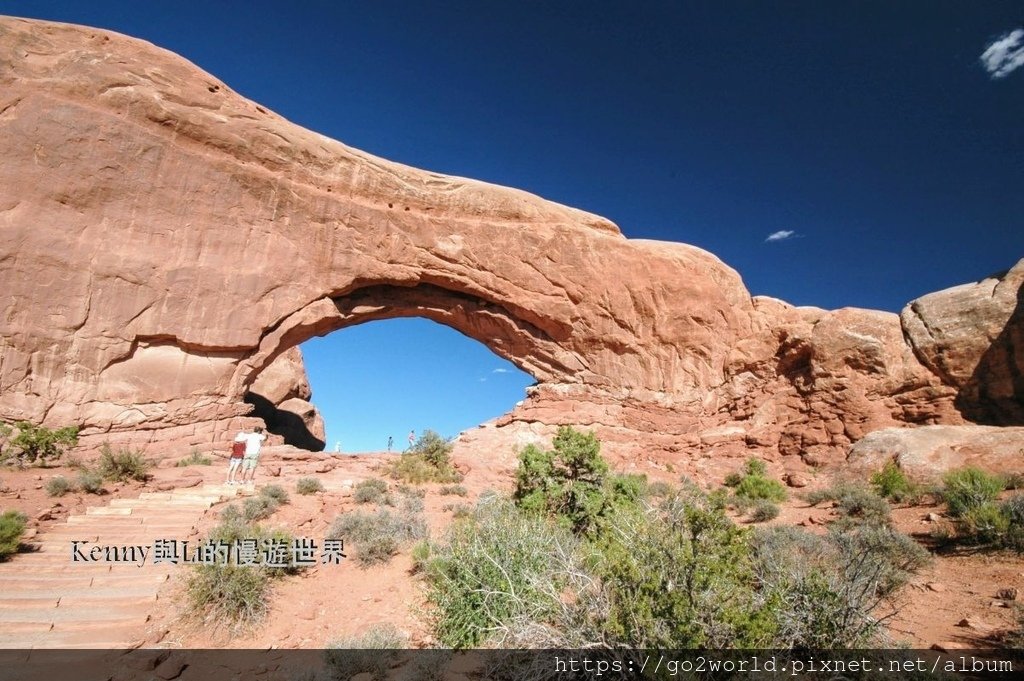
165	239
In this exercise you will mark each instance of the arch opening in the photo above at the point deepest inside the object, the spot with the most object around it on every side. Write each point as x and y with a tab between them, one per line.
484	354
382	379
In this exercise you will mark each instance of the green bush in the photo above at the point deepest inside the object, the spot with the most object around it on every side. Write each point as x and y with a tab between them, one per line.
764	511
90	481
123	465
571	481
371	491
415	469
12	526
377	536
58	486
38	444
434	449
681	578
628	488
754	485
969	488
986	523
308	486
195	459
448	490
275	492
892	483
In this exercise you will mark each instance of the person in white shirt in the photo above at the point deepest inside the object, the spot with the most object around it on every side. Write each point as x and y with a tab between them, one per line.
253	443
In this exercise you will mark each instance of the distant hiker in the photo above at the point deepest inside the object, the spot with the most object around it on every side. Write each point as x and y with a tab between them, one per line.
412	438
253	443
235	460
337	446
391	442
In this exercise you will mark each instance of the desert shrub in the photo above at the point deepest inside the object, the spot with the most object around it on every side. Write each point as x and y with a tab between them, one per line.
275	492
12	526
968	488
421	554
892	483
986	524
58	486
679	578
370	491
258	508
410	504
364	653
38	444
659	488
628	488
410	491
308	486
434	449
458	510
571	482
764	510
90	481
854	502
232	596
732	479
1013	481
495	572
379	535
195	459
415	469
122	465
755	484
834	591
448	490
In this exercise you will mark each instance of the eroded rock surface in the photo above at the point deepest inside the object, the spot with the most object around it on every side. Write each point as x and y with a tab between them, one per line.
928	452
166	240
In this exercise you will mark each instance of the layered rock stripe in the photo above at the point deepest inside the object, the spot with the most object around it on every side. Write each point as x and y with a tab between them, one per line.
49	601
134	184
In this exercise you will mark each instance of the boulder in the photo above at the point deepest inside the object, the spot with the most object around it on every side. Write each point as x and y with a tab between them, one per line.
929	451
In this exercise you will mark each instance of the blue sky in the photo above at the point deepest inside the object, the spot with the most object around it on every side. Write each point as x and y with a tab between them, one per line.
871	135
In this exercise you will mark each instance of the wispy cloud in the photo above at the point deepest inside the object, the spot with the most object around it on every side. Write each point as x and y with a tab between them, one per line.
500	371
1004	55
781	235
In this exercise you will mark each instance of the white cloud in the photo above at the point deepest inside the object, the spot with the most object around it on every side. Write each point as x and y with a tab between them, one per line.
1005	55
781	235
500	371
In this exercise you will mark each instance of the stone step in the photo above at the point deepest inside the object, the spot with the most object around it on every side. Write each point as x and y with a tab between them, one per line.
90	616
106	593
109	636
150	578
154	505
155	495
11	602
116	520
118	603
107	510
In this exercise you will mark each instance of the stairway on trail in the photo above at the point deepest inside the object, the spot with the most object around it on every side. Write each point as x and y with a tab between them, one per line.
49	601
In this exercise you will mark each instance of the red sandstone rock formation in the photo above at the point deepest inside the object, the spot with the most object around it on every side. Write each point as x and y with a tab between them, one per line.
133	184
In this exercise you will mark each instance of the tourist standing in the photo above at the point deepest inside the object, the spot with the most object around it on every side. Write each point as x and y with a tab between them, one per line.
253	444
412	439
391	442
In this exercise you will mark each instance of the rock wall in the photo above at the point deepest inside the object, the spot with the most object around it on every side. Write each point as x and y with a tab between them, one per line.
166	240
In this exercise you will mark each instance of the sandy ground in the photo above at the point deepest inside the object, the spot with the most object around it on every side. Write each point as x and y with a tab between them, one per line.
328	602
